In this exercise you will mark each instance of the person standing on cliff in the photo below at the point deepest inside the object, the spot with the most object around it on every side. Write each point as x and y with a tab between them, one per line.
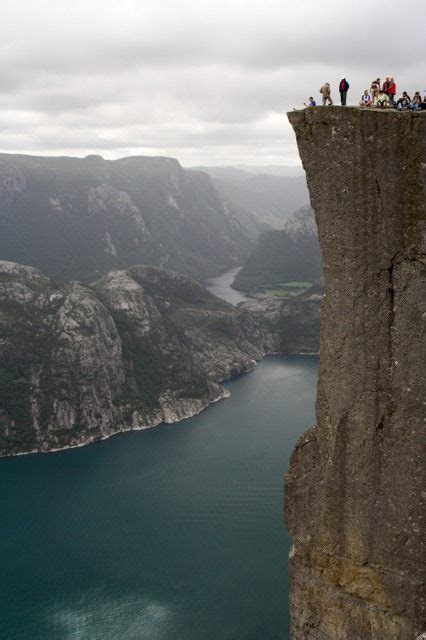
343	90
326	94
391	91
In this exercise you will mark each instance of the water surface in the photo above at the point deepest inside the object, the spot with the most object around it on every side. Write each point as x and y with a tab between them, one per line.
174	533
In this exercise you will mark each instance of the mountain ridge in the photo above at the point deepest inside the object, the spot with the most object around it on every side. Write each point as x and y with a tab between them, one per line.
76	218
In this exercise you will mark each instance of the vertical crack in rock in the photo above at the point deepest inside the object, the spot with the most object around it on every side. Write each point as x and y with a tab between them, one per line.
352	499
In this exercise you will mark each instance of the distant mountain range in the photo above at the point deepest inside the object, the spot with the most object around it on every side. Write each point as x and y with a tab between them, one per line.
270	198
289	254
271	169
77	218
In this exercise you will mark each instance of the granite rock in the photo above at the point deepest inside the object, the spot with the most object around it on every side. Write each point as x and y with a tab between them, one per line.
353	490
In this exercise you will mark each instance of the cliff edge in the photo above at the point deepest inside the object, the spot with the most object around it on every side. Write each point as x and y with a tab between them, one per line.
353	490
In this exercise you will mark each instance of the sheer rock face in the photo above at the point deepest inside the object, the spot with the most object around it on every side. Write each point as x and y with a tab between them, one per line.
354	485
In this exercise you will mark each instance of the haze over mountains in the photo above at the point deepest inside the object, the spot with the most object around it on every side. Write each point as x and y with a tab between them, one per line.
269	196
76	218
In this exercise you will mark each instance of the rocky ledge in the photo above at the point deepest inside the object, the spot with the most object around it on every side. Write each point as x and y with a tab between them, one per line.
353	490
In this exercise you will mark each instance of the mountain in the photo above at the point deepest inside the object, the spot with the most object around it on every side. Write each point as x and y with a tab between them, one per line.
138	347
269	198
273	169
290	254
77	218
353	496
240	171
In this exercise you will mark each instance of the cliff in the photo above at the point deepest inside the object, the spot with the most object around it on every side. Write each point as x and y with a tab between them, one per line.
139	347
354	485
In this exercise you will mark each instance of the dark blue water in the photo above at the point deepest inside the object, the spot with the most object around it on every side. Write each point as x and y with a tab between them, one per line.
175	533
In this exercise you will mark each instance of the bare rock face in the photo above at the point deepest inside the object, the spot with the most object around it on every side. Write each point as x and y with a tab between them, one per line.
353	489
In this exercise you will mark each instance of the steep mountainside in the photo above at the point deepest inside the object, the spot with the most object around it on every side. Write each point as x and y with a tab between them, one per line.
292	253
142	346
78	218
269	198
353	491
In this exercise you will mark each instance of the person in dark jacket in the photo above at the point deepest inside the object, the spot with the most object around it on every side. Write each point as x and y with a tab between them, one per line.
343	90
404	102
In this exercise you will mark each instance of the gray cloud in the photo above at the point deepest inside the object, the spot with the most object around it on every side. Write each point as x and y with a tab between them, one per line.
205	82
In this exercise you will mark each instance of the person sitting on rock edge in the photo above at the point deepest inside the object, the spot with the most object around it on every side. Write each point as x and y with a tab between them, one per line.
366	100
416	103
383	100
311	102
404	102
375	88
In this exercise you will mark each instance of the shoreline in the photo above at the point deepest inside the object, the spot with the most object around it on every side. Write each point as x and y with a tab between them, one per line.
225	393
223	396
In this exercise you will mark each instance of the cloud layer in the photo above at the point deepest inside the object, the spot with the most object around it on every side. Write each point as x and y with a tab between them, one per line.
207	82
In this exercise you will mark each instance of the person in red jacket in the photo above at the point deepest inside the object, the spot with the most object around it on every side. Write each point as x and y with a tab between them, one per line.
391	91
343	90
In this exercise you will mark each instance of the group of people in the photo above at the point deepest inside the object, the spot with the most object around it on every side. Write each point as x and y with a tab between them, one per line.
379	95
384	95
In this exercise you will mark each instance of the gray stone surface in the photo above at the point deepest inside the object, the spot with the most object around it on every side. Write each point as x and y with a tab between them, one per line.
353	490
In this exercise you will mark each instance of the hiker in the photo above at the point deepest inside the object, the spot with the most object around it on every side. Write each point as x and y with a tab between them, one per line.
404	102
366	100
375	88
391	91
423	105
326	94
343	90
311	102
383	100
386	86
416	103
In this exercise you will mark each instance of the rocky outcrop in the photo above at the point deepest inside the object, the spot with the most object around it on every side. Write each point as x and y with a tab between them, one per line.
79	363
353	490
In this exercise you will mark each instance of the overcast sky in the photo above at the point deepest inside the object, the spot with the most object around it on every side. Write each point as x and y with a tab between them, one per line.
208	82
